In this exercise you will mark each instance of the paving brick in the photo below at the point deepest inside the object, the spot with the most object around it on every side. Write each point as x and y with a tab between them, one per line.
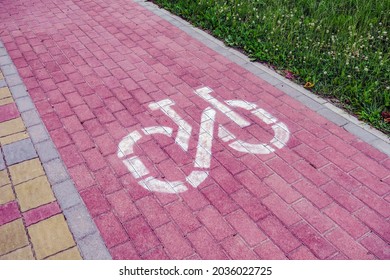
340	145
339	159
94	159
8	112
312	174
34	193
219	199
41	213
343	197
269	251
183	216
313	216
12	236
11	127
253	183
313	240
4	178
124	251
72	124
95	201
82	140
282	188
373	201
108	183
279	234
157	253
258	167
25	171
51	121
311	156
174	242
50	236
341	177
69	254
281	209
206	246
347	245
111	229
225	180
237	249
231	163
346	221
141	235
194	199
9	212
81	176
71	155
46	151
370	165
281	168
375	222
154	213
215	223
123	205
316	196
376	246
371	181
302	253
6	194
24	253
251	205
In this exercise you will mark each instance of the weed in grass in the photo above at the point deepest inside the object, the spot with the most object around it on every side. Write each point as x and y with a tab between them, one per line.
339	48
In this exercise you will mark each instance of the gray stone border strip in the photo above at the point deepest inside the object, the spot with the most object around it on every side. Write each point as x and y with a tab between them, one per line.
84	230
323	107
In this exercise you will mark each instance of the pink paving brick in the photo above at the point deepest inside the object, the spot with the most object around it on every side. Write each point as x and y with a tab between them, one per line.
194	199
313	216
375	222
346	221
63	109
41	213
8	112
343	197
215	223
219	199
206	246
371	181
71	156
312	239
376	246
281	209
374	201
282	188
183	216
313	157
225	180
72	124
154	213
94	159
237	249
311	173
174	242
81	176
141	235
245	226
279	234
232	164
250	204
371	165
302	253
83	113
341	177
51	121
123	206
283	169
124	251
253	183
95	201
339	159
9	212
257	166
347	245
107	181
157	253
267	250
316	196
111	229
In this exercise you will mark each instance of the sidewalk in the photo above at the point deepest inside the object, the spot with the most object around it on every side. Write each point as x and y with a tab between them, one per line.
131	135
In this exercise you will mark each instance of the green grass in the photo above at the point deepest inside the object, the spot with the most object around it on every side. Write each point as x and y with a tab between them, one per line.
341	46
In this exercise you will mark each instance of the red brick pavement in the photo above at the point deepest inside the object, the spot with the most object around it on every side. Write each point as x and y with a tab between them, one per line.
92	67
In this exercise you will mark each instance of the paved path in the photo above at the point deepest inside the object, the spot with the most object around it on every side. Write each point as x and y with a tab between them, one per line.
167	149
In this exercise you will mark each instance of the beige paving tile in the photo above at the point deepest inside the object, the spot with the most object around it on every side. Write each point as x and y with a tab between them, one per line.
1	76
70	254
25	171
50	236
6	194
12	236
6	101
13	138
11	127
24	253
4	179
34	193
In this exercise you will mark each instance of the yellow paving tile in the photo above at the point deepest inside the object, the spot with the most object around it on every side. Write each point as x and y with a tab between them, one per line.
24	253
13	138
6	194
34	193
4	92
70	254
6	101
12	236
4	179
50	236
11	127
25	171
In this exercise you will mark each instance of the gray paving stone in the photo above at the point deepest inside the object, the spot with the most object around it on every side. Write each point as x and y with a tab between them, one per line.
13	80
5	60
2	163
315	106
332	116
24	104
18	91
359	132
38	133
92	248
289	90
382	146
31	118
19	151
46	151
56	171
9	69
66	194
3	83
269	79
79	221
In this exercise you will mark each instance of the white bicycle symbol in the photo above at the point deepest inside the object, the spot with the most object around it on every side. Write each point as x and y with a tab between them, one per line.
203	152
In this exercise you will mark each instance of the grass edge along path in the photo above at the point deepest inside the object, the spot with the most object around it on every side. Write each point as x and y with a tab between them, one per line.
337	49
